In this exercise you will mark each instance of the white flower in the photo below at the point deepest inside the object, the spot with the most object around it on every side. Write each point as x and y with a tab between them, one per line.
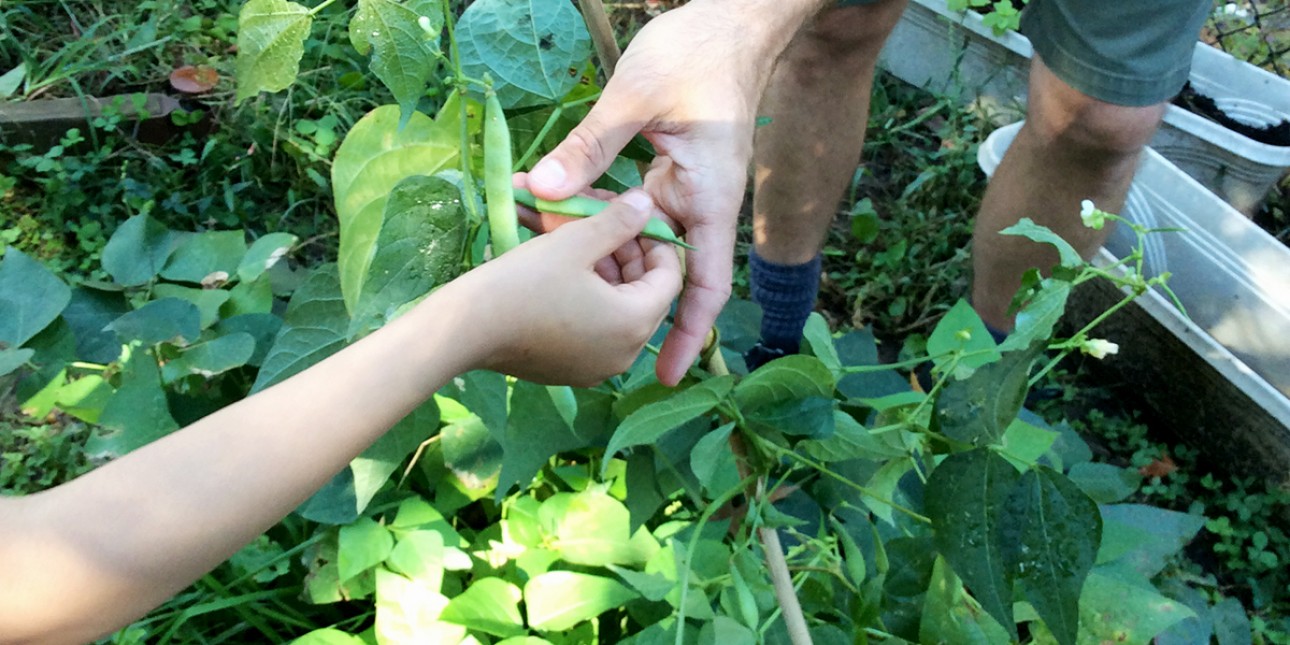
1099	348
1091	216
1235	9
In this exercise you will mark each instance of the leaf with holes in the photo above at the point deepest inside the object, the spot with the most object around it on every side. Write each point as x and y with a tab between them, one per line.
532	50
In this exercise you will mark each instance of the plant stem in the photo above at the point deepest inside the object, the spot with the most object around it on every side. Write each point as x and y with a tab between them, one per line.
465	149
323	5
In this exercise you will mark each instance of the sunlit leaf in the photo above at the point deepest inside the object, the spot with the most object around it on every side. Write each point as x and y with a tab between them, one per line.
647	424
490	605
270	42
558	600
403	54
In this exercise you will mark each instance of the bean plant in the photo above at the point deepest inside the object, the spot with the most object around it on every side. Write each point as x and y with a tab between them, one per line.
819	498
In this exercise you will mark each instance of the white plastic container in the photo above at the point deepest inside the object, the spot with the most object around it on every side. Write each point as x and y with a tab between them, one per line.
1232	277
954	53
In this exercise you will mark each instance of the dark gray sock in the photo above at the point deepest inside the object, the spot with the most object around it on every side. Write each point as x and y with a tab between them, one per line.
786	293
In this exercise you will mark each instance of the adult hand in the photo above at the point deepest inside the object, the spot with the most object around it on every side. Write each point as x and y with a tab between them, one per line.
689	82
576	305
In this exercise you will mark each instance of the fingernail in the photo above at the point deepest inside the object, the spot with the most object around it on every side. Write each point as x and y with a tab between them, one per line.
549	172
638	199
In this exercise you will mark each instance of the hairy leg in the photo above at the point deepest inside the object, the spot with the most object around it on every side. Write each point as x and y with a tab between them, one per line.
818	103
1071	148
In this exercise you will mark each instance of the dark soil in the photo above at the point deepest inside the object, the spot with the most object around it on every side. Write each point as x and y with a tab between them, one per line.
1189	99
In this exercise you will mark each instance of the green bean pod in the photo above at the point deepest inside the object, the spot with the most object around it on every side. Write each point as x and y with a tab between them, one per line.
581	206
503	222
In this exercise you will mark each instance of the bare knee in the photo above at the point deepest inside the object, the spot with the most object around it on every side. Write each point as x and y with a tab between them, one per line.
1063	116
845	34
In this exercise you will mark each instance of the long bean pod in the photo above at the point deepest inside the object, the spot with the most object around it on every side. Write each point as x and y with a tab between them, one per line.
582	206
503	223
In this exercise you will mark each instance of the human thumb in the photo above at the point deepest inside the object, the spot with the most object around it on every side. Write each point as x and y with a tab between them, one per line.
620	222
585	153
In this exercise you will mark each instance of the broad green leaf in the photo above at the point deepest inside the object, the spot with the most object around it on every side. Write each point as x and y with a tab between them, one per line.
535	432
270	42
363	545
962	330
883	485
328	636
1024	444
979	409
12	80
137	414
263	254
159	321
811	417
313	328
593	529
530	49
558	600
713	455
407	612
31	297
472	454
262	327
647	424
416	513
1145	538
817	336
404	56
1027	228
484	393
137	250
421	244
490	605
950	617
651	586
1105	483
207	301
1039	316
88	312
210	358
1051	532
911	560
1114	610
418	555
214	254
966	497
254	297
375	465
1231	623
566	403
374	158
791	377
849	440
525	640
11	358
859	348
724	630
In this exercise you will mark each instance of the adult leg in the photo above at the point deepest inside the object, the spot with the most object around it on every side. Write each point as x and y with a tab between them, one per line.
1072	147
818	105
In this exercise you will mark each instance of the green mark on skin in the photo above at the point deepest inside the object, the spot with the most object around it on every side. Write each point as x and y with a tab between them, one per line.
580	206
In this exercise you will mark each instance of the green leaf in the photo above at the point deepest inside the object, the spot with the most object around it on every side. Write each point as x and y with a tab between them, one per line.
88	312
1051	533
490	605
912	559
207	301
363	545
404	56
791	377
1039	315
1113	610
210	358
328	636
137	414
1105	483
419	556
820	339
374	158
810	417
849	440
159	321
262	327
254	297
558	600
137	250
593	529
1144	537
270	42
883	484
535	432
966	497
472	454
651	586
313	328
420	246
30	298
724	630
647	424
407	612
263	254
961	329
979	409
206	255
12	80
529	48
949	615
1024	444
374	466
711	455
1027	228
12	358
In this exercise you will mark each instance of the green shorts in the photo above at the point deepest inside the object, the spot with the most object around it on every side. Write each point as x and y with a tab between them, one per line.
1126	52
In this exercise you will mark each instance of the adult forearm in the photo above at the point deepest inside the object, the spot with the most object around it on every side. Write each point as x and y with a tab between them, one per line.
125	537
